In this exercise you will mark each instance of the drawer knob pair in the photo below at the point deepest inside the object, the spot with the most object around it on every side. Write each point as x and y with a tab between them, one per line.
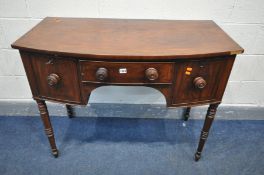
199	82
102	73
53	79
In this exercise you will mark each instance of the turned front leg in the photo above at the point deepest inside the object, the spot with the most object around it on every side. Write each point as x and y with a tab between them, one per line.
47	125
187	113
70	111
205	131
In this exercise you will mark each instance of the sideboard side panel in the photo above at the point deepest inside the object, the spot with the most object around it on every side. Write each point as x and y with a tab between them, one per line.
225	76
29	72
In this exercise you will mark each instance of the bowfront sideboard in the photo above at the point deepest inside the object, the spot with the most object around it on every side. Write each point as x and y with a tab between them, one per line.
189	62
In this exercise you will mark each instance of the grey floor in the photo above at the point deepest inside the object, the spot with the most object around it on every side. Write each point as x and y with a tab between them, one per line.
128	145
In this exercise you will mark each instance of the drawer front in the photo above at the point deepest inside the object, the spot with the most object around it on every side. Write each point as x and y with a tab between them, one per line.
201	80
124	72
56	78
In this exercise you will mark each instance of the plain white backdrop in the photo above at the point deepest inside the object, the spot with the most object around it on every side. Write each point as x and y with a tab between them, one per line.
243	20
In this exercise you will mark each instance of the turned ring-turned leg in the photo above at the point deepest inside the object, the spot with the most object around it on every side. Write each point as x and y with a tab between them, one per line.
47	125
205	131
187	113
70	111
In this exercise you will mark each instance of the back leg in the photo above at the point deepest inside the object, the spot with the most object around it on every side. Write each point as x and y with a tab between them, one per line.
187	113
70	111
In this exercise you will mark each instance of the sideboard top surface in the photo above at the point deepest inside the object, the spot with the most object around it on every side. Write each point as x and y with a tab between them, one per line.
128	38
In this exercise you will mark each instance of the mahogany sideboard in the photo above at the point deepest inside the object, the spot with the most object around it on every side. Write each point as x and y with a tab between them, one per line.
189	62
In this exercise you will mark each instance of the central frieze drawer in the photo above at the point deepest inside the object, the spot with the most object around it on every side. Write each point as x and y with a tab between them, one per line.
126	72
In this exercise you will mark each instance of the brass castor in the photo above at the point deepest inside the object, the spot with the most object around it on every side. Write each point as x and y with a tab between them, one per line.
55	153
197	156
187	113
186	117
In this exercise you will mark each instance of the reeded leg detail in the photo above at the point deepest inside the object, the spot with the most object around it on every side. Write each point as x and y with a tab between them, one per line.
205	131
187	113
47	125
70	111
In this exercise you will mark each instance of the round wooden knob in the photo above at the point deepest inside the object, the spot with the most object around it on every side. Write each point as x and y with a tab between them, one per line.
101	74
152	74
53	79
199	82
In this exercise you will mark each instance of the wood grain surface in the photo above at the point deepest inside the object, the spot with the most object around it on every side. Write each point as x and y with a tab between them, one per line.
126	38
